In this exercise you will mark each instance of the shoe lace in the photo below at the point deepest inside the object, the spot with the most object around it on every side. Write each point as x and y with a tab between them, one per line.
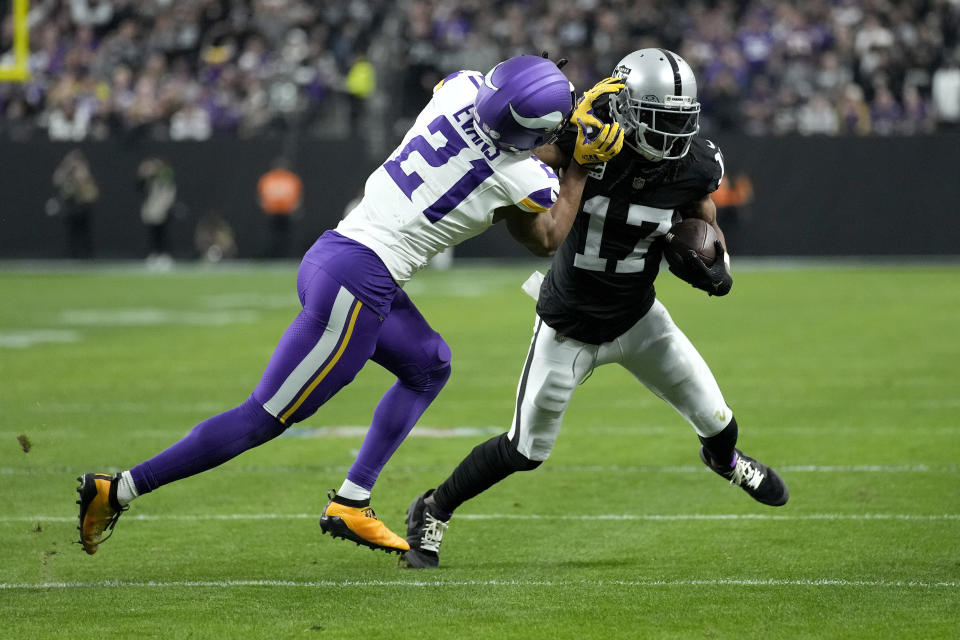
110	525
746	473
432	533
113	522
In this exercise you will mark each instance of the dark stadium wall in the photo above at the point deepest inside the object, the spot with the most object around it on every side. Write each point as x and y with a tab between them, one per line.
811	196
219	175
817	196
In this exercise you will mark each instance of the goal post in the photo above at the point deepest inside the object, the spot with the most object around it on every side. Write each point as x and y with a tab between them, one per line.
19	71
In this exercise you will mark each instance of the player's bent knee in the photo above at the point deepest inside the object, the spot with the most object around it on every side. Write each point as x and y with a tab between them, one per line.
516	460
440	371
432	372
261	425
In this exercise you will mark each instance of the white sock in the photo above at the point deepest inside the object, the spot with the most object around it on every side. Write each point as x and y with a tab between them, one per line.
353	491
126	489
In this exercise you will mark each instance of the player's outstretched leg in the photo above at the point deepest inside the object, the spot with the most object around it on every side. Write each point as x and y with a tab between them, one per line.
429	514
425	527
757	479
355	520
99	509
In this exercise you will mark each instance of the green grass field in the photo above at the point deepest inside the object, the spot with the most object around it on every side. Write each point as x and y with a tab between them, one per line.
844	378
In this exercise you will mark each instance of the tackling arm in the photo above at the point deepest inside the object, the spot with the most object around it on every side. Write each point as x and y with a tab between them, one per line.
553	156
542	233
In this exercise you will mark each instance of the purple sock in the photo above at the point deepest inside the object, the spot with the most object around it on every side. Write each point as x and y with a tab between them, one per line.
395	415
209	444
419	357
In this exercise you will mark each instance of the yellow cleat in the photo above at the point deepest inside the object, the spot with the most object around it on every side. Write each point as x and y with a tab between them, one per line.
99	509
359	524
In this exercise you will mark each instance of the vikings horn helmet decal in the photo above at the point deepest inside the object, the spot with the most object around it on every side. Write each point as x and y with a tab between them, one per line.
524	102
550	121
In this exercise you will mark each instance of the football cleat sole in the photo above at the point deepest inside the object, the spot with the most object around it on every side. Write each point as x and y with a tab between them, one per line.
337	528
414	559
379	536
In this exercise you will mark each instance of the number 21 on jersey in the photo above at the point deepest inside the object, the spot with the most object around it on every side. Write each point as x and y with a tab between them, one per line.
438	157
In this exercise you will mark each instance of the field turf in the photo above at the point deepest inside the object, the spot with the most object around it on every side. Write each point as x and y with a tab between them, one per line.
844	378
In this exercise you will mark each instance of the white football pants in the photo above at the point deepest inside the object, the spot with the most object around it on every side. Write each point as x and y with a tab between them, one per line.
654	350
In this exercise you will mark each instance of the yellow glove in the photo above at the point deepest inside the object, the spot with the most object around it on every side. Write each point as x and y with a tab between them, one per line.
607	139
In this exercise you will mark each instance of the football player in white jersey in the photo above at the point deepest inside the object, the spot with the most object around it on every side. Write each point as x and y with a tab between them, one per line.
597	305
465	164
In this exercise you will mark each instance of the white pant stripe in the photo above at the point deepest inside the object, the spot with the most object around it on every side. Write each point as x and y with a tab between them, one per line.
314	360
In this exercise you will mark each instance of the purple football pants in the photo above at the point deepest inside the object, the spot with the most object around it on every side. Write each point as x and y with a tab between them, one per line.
331	339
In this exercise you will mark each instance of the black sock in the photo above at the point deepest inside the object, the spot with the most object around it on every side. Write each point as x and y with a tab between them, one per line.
720	446
485	466
112	494
347	502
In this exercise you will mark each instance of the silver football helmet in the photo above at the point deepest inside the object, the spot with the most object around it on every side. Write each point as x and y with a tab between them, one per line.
658	109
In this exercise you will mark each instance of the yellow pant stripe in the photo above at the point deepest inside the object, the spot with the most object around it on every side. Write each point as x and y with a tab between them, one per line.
323	374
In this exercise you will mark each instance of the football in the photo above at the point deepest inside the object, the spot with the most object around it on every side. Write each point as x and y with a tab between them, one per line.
695	234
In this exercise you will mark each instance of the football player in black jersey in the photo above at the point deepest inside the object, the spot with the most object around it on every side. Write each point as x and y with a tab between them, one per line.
597	305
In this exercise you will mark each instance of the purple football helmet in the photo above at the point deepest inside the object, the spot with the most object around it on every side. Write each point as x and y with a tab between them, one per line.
524	102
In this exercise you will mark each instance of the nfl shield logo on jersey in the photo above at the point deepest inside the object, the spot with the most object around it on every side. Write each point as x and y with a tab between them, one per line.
638	183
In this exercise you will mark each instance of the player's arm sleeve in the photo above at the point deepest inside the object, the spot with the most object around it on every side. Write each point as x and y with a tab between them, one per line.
540	200
705	180
457	74
713	167
450	77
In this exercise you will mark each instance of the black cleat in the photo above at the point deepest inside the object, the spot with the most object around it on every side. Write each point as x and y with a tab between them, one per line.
757	479
425	528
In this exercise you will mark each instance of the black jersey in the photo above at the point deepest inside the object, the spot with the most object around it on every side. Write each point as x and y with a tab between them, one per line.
601	280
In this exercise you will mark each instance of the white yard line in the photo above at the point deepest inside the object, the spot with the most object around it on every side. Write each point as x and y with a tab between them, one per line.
802	468
23	338
147	317
719	582
418	432
608	469
649	517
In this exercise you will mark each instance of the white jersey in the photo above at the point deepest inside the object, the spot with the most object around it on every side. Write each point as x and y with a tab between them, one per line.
442	184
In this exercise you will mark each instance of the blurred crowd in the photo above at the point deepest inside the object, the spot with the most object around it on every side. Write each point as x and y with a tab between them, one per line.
188	69
195	69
